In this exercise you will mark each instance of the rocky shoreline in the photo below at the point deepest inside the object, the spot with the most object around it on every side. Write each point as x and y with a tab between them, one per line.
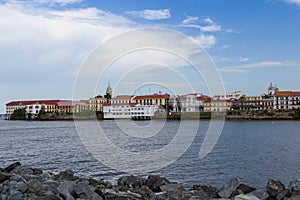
27	183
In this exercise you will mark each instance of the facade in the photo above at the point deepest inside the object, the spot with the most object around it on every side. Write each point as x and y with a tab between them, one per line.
49	105
286	100
252	103
233	95
96	103
155	99
33	110
217	105
188	102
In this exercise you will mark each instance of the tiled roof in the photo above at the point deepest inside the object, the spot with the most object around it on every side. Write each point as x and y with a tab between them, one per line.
286	93
49	102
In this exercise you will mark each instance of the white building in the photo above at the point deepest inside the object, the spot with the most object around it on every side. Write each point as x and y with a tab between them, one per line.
286	100
233	95
33	110
188	103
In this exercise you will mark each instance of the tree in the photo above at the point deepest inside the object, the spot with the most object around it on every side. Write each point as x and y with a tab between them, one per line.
18	114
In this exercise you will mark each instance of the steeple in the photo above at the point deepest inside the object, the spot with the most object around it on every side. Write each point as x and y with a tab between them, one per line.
109	90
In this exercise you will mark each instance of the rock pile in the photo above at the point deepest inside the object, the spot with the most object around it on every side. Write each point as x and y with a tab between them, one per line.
24	182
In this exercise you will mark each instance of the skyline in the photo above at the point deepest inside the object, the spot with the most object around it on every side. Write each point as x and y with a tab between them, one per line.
44	43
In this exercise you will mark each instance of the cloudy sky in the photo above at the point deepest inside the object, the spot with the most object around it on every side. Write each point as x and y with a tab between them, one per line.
44	43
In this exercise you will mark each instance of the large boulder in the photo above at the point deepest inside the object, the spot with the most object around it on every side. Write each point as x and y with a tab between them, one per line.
202	192
172	191
154	182
131	182
4	177
12	167
274	187
244	189
67	175
228	188
261	193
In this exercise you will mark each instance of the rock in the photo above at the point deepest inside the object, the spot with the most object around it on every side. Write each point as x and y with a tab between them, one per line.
16	196
246	197
17	178
22	187
67	175
37	171
295	197
3	197
294	187
12	167
82	190
261	193
24	169
244	189
274	187
111	194
50	197
65	189
131	181
172	190
227	190
202	192
153	182
282	194
4	177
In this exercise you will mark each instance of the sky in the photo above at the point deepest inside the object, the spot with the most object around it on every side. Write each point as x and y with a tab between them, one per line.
44	44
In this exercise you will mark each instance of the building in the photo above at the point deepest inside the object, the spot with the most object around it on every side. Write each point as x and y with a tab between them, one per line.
188	103
155	99
33	110
49	105
272	89
233	95
286	100
96	103
251	102
217	105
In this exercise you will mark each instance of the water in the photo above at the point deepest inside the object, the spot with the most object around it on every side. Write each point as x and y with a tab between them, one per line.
251	151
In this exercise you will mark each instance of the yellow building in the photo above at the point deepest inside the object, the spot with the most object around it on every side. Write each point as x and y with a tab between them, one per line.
96	103
217	105
155	99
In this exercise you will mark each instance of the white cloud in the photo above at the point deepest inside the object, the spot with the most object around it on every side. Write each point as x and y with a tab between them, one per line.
208	25
206	41
151	14
244	59
190	20
293	2
264	64
47	2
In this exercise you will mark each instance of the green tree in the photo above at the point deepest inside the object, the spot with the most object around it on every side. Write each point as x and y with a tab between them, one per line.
18	114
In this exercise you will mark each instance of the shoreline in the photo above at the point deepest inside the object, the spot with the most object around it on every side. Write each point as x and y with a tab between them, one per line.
25	182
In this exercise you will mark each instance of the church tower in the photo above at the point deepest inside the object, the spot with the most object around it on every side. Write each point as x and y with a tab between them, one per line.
272	89
109	90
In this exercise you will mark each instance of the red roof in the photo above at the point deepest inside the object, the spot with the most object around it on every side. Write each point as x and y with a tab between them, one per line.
49	102
152	97
286	93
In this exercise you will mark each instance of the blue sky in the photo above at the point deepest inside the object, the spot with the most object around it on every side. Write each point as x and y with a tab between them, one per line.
43	43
